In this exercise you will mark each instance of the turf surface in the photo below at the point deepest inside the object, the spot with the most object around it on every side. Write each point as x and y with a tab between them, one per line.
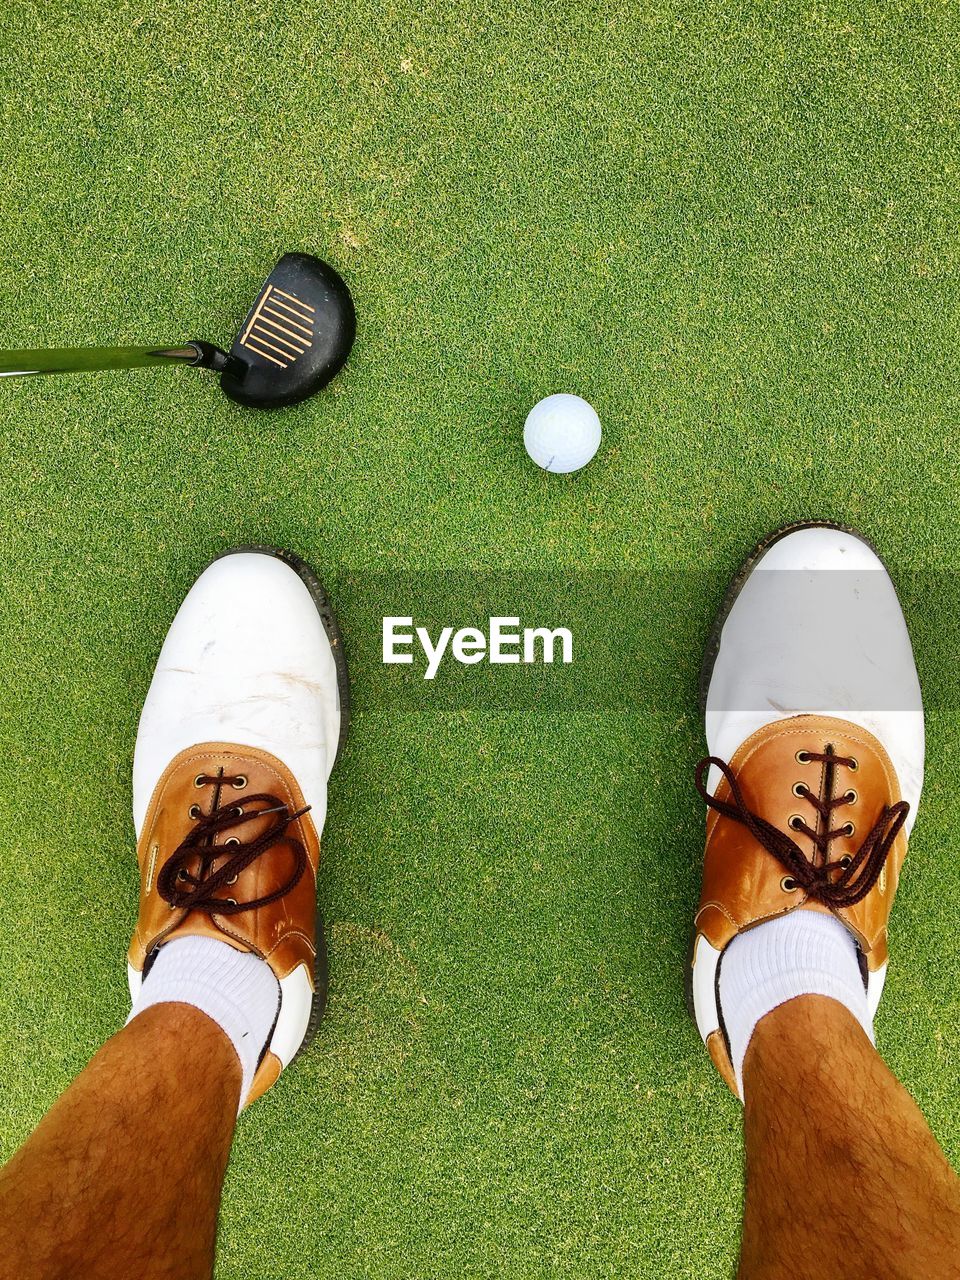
736	235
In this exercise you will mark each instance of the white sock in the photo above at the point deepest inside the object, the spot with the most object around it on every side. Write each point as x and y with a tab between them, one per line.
235	988
804	953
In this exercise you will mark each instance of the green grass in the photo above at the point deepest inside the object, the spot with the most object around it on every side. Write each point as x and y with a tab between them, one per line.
737	237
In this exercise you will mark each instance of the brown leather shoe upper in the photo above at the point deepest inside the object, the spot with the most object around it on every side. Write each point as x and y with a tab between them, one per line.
191	862
823	792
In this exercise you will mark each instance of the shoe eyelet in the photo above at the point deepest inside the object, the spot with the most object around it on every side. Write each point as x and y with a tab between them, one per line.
845	861
795	822
789	885
233	879
803	757
851	796
198	780
800	790
849	829
232	842
231	902
181	874
194	811
240	781
854	765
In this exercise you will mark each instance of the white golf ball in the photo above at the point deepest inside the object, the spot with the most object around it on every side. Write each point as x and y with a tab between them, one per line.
562	433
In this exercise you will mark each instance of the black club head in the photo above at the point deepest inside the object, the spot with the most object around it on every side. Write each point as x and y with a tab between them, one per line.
295	338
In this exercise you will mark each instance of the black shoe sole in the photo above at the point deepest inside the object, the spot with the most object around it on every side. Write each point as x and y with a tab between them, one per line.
334	635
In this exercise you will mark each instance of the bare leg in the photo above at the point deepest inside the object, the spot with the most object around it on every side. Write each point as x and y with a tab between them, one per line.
123	1176
843	1176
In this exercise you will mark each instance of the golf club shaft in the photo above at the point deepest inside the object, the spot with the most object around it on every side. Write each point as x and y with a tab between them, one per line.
82	359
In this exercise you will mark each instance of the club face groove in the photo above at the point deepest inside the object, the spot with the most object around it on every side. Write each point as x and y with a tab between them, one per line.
295	338
266	332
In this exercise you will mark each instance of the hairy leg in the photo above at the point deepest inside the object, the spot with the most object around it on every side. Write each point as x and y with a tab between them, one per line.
843	1176
123	1176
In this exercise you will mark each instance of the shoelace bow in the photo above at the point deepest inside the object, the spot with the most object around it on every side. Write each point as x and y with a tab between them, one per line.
180	887
857	874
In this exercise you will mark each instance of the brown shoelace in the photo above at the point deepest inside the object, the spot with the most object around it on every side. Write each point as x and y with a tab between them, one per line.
199	891
820	880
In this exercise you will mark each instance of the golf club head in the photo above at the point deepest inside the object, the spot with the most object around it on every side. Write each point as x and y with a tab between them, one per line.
295	338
